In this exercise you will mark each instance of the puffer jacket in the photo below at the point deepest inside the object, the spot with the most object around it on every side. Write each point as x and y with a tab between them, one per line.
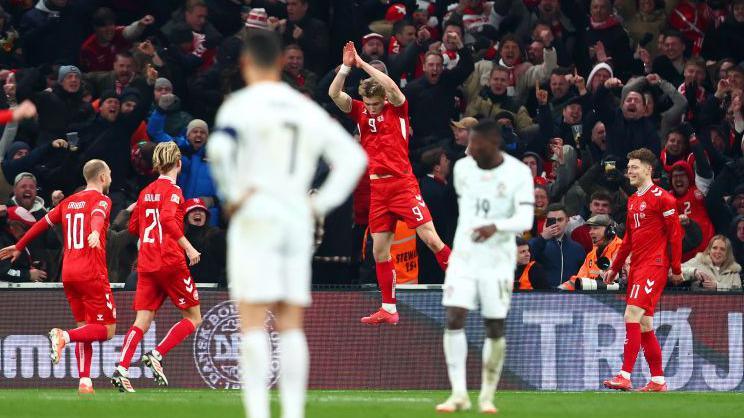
727	276
486	104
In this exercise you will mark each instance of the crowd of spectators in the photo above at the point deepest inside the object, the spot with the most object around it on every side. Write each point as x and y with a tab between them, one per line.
575	85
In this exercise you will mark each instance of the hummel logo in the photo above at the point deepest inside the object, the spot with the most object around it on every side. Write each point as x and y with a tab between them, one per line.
656	192
100	317
647	289
108	301
650	282
181	301
420	200
189	285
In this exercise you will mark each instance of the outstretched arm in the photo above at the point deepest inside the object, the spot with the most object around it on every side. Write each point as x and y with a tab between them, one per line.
336	90
394	95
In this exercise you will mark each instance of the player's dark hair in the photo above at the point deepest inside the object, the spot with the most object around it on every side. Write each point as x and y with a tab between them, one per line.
103	16
430	158
556	207
400	25
488	128
263	47
645	155
192	4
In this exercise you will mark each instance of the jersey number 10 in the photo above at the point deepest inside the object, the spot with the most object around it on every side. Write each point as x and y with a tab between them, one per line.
75	232
155	223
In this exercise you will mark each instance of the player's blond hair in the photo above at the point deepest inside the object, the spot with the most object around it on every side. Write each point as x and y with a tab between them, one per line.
370	88
93	168
165	156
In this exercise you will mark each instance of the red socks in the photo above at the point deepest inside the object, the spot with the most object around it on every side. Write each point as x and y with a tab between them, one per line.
88	333
131	342
177	333
632	346
84	355
443	257
652	352
385	280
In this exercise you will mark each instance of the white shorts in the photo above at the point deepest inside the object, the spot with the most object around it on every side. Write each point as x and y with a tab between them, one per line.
488	288
269	261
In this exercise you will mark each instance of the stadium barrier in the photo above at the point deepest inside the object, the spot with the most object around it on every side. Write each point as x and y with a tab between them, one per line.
555	342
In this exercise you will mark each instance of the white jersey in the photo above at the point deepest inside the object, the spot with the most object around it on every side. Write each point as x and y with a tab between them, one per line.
269	139
503	196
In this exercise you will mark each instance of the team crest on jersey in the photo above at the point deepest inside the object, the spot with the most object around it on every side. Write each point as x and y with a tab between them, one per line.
217	347
380	118
501	190
642	207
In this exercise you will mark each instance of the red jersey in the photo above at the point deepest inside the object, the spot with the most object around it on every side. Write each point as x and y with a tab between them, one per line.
692	204
95	57
385	138
158	221
80	262
653	233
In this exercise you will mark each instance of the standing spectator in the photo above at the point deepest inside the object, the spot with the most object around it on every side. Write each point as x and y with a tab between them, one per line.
670	65
529	274
10	54
52	32
554	250
460	137
442	203
608	40
646	25
431	98
494	98
659	93
205	37
715	268
726	40
99	50
572	120
404	33
176	119
210	241
310	33
295	74
122	76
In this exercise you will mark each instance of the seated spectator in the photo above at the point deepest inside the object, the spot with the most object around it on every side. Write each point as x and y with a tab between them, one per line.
195	179
529	274
208	240
99	51
14	222
460	136
493	99
715	268
295	74
555	250
605	245
736	234
599	204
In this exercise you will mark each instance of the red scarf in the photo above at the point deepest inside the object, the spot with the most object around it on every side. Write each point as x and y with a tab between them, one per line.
610	22
393	46
668	167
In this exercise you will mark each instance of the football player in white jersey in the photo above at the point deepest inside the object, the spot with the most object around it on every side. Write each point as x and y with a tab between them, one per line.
264	155
496	201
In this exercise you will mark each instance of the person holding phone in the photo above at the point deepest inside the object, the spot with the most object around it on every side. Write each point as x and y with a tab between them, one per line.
560	256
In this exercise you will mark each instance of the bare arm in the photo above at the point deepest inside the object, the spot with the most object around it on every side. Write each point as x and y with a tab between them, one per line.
336	89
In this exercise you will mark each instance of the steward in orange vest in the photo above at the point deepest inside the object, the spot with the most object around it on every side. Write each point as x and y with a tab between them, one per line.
529	275
606	244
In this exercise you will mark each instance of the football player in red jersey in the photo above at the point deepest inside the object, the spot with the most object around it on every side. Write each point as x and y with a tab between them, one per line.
161	267
84	272
653	234
382	120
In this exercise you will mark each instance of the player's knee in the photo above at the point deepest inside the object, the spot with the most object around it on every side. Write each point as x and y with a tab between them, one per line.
381	254
495	328
456	319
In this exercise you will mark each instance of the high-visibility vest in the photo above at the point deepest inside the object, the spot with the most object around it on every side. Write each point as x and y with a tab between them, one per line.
403	252
524	279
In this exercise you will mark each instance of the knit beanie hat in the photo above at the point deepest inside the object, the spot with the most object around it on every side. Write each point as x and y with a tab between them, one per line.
66	70
196	123
600	66
163	82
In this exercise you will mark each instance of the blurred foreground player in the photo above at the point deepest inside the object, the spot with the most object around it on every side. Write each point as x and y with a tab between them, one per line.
264	155
496	200
85	218
161	267
382	120
653	234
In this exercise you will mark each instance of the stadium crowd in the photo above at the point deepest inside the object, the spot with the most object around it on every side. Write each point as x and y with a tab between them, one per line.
575	85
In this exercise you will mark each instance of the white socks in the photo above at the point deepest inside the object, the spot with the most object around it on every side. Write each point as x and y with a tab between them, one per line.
255	358
625	374
294	360
456	355
659	380
494	352
389	308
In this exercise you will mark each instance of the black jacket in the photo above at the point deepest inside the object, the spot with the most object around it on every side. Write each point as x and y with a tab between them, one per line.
211	243
442	203
314	42
617	45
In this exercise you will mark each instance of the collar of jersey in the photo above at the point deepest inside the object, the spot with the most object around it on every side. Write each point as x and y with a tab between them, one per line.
167	178
640	192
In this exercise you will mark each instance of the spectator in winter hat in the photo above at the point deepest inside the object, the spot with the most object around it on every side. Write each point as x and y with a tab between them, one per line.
209	240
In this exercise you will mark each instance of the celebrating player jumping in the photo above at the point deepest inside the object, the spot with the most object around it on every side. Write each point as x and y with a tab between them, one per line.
84	272
653	235
161	267
496	201
382	120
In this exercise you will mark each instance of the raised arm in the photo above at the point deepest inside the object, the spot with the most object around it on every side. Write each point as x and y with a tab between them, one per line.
336	90
394	95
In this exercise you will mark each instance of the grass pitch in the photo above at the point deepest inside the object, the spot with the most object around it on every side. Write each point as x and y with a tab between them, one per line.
178	403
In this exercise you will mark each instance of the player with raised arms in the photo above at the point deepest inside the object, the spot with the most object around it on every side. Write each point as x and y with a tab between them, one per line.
382	120
653	234
496	200
85	218
157	220
264	155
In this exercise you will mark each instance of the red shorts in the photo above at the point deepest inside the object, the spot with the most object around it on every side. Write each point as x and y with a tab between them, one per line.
645	286
91	301
153	287
394	199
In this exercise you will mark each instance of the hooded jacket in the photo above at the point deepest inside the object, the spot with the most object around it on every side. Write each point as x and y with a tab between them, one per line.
727	276
692	204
